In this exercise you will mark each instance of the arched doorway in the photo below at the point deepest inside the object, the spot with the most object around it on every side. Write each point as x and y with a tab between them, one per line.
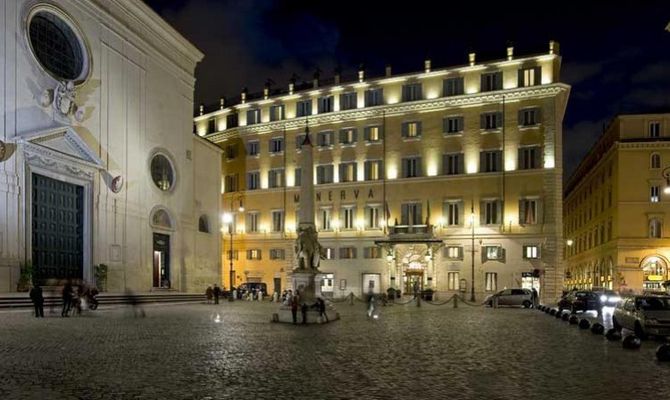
654	273
414	266
161	222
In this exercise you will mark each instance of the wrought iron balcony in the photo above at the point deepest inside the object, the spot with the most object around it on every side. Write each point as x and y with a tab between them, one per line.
411	232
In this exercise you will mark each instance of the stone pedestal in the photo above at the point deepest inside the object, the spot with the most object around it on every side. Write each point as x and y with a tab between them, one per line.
304	285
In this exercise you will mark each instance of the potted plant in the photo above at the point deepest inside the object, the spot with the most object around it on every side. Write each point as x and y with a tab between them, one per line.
25	277
101	277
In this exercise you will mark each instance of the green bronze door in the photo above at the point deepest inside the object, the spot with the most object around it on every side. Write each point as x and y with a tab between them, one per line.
57	229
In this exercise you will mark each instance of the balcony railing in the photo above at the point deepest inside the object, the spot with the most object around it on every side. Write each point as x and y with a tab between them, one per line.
411	231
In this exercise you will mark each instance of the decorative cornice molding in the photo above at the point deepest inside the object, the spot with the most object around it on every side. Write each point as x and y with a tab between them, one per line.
40	157
393	110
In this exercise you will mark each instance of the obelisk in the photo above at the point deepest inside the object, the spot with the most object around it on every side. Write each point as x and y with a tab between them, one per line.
307	251
307	247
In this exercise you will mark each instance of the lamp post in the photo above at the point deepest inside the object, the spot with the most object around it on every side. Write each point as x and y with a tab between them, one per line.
666	175
228	218
472	224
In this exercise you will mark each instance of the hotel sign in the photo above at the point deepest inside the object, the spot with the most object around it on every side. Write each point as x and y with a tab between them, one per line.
330	195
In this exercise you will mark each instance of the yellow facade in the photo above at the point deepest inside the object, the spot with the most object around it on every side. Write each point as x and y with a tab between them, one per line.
415	243
615	208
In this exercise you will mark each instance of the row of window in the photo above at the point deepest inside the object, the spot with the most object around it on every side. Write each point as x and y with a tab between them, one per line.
411	129
453	86
530	213
490	279
454	253
599	236
452	164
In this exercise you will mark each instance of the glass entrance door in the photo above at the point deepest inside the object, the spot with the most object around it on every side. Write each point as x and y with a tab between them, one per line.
413	282
161	270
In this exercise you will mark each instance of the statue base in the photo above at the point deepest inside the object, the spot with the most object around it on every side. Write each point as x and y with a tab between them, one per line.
304	285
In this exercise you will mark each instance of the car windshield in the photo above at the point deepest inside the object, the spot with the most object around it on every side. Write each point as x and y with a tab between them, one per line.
653	303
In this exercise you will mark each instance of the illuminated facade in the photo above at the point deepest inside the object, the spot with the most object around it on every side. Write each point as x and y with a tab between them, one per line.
402	161
98	163
616	205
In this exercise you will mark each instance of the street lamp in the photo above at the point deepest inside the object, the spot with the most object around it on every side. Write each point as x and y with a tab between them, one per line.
666	175
472	224
228	218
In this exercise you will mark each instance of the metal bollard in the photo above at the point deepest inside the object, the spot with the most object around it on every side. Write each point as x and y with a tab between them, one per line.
455	301
418	301
495	302
351	298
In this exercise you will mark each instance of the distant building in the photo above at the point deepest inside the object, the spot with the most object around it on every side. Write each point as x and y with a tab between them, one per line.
402	163
617	208
99	164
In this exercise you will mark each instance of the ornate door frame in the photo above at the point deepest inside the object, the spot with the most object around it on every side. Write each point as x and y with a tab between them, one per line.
48	163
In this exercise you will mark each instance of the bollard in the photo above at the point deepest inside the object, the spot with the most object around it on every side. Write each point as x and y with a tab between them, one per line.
597	328
418	300
573	320
552	312
613	335
559	315
663	352
584	324
455	301
631	342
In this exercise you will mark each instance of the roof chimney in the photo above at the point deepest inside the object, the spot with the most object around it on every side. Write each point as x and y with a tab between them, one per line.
471	58
426	65
388	70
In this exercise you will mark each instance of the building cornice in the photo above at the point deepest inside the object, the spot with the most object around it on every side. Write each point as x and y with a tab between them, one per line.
389	110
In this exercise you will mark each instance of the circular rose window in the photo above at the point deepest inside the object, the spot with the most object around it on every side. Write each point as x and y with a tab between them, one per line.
57	46
162	172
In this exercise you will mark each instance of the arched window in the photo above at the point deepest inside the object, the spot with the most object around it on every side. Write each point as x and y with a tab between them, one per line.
655	161
655	228
203	224
161	219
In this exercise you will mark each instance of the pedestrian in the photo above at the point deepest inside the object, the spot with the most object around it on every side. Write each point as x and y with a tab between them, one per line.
294	309
321	304
371	306
217	293
67	299
260	295
134	302
209	293
234	293
38	300
534	297
303	309
275	297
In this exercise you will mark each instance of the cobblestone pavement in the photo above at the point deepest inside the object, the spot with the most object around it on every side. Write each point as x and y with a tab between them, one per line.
199	351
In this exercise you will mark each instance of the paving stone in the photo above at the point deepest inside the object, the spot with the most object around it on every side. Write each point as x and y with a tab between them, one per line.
231	350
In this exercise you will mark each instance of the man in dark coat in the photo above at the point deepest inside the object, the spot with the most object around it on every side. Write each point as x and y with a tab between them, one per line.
217	293
321	304
38	300
67	299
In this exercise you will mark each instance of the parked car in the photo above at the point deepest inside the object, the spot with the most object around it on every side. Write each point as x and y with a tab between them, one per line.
580	300
645	315
608	298
511	297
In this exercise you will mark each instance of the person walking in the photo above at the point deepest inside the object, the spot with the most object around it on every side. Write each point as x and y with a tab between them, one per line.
294	309
534	297
371	306
38	301
209	293
321	304
303	309
67	299
217	293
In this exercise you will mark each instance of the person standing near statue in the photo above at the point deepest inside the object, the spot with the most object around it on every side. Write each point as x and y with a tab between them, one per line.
38	301
217	293
67	299
294	309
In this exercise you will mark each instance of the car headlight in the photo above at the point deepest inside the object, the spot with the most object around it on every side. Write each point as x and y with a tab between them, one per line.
603	298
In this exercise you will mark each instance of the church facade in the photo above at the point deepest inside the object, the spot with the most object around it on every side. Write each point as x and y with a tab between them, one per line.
98	162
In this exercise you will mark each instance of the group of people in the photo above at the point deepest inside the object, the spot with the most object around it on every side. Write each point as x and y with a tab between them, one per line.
295	303
73	296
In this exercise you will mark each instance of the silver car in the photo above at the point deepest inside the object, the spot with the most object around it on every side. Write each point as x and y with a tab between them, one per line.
645	315
511	297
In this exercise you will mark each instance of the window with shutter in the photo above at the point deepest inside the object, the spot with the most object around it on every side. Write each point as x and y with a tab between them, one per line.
373	97
453	87
372	134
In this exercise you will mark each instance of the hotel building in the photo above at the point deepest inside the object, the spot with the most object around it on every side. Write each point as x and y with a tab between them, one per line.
437	179
615	209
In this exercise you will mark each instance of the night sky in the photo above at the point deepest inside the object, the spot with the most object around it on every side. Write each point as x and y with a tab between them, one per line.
616	55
